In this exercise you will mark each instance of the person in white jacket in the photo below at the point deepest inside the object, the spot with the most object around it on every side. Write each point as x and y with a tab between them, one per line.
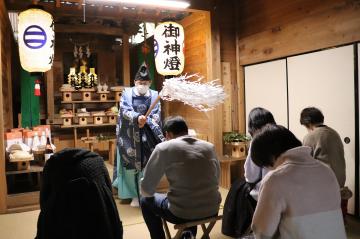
300	196
258	118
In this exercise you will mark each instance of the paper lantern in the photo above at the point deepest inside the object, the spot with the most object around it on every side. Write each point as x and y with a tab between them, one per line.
36	40
169	48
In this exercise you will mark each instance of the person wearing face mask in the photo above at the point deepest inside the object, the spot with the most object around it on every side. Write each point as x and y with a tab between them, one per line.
137	135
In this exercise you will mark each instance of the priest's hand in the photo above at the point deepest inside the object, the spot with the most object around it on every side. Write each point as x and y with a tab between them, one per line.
141	121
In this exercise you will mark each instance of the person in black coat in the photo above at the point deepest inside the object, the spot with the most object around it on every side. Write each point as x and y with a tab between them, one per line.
76	200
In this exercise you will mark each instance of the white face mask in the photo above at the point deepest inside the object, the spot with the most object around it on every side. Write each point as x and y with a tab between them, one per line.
142	89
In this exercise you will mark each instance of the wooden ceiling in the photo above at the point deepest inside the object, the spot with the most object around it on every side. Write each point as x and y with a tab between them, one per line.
104	18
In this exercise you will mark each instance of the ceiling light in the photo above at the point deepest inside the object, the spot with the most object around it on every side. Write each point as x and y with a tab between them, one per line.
155	3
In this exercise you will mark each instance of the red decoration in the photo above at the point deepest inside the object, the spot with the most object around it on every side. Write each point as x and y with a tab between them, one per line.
37	88
145	49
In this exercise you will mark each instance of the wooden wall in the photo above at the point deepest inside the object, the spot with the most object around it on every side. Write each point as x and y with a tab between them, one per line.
199	59
271	29
225	16
6	99
7	41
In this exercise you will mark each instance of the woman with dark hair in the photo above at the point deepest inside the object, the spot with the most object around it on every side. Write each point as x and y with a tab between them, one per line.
258	117
299	197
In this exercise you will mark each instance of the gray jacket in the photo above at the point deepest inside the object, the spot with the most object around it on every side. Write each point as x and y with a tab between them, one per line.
193	171
327	147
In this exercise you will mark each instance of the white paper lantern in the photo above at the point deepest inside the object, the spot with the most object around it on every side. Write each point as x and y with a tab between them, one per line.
36	40
169	48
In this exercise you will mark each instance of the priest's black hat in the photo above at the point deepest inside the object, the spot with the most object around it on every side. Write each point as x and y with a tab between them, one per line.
143	73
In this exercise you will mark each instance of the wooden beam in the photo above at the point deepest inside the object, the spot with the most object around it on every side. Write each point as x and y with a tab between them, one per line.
50	94
3	186
126	60
108	13
95	29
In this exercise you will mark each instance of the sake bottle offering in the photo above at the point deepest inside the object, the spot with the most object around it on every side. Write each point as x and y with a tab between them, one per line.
92	78
72	77
82	77
48	149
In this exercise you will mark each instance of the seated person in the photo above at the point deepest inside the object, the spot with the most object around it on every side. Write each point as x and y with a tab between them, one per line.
300	197
324	141
258	118
76	200
192	169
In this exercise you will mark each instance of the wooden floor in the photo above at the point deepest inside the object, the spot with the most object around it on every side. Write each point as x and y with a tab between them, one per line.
23	225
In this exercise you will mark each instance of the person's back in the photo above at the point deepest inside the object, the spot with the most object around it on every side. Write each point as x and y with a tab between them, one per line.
76	199
328	148
308	196
192	169
300	197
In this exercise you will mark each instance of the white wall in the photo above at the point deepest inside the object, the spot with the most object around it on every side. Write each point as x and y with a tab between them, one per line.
323	79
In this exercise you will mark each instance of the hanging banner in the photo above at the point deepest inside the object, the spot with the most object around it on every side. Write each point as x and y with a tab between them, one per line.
169	48
36	40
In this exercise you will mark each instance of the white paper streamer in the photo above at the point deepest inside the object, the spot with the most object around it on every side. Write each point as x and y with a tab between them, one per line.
202	96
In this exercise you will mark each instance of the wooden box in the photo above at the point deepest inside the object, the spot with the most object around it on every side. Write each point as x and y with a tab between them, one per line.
117	95
83	121
67	96
98	119
103	96
22	165
235	149
67	121
86	96
112	119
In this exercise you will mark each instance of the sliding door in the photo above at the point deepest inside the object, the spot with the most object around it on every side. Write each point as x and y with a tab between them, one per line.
265	86
325	80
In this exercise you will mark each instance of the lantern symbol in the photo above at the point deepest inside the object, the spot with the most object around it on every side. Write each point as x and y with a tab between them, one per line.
34	37
36	40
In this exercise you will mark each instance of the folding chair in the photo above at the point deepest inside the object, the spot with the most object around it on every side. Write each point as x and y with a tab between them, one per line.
181	227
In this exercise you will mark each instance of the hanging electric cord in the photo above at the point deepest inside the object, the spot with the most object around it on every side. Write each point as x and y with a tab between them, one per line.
84	11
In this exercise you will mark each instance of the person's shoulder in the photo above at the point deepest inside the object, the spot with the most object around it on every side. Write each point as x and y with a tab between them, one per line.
127	91
276	176
201	141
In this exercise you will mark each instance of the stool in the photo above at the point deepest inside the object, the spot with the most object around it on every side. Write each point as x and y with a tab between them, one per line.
181	227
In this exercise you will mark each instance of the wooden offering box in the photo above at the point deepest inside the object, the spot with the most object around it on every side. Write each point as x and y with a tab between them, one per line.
103	96
67	121
98	119
112	119
67	95
86	94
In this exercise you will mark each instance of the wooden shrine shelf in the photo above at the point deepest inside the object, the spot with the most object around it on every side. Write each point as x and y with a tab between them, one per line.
88	101
226	163
32	169
87	125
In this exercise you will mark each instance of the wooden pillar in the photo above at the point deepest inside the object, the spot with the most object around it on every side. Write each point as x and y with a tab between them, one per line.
214	72
240	78
126	60
3	186
49	76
